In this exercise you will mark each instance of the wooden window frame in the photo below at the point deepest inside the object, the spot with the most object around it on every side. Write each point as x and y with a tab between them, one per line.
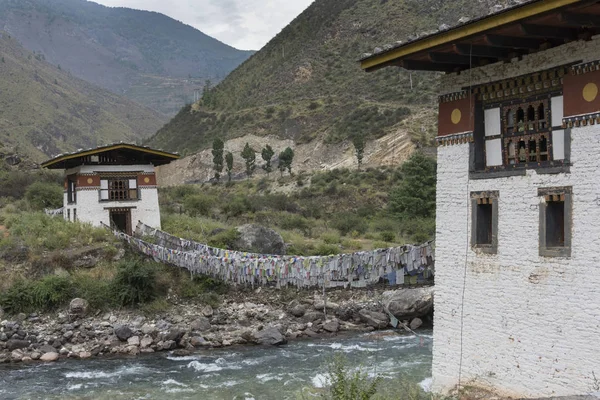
123	193
564	194
477	198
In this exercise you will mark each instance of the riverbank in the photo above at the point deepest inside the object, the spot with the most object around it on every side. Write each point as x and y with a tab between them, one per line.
265	316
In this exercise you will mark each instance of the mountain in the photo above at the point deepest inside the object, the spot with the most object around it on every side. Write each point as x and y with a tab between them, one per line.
146	56
44	110
306	85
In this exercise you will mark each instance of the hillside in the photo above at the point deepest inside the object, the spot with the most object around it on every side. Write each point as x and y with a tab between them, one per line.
306	85
146	56
44	110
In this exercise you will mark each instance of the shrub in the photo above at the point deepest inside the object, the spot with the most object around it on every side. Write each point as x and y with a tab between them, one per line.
346	222
18	298
325	249
42	195
419	230
96	291
415	195
52	292
225	239
198	204
387	236
294	221
237	206
331	237
346	383
135	282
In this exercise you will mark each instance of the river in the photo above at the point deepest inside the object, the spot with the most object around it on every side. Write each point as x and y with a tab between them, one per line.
236	373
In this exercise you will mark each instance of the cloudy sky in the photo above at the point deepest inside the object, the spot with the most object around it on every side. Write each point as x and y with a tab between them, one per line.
244	24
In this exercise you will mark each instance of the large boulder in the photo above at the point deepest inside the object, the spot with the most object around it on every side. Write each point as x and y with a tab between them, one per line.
269	336
259	239
78	307
373	318
201	324
409	303
123	332
15	344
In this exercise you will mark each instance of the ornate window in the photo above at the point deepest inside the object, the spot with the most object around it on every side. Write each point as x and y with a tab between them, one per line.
120	189
518	125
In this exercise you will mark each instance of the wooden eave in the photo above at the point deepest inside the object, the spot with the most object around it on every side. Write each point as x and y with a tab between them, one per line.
148	155
529	28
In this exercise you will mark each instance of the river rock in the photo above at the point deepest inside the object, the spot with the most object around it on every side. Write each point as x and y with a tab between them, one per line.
199	341
207	311
415	323
78	307
133	341
298	310
331	326
17	355
312	316
123	332
375	319
148	329
200	325
169	345
146	342
270	336
15	344
320	305
409	303
175	335
85	355
35	355
47	349
259	239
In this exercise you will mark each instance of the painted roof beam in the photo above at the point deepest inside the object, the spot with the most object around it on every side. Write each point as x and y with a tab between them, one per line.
580	20
552	32
484	51
512	42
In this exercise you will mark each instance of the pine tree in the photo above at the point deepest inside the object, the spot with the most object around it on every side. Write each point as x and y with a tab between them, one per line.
359	146
267	154
249	156
229	162
286	158
217	153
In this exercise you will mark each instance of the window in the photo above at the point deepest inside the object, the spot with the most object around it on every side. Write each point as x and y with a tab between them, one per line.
68	214
74	215
555	221
484	220
518	125
72	189
121	189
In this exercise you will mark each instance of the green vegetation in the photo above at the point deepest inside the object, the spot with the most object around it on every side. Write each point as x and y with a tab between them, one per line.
229	162
217	153
40	118
336	211
286	159
346	383
249	156
267	154
306	84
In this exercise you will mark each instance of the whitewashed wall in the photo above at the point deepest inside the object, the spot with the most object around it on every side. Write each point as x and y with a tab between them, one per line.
531	324
91	210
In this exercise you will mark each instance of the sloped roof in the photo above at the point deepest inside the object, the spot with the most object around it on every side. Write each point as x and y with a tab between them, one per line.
149	155
507	32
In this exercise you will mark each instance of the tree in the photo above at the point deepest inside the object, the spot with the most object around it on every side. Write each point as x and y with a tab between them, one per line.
217	152
359	146
249	156
229	162
267	154
286	158
415	195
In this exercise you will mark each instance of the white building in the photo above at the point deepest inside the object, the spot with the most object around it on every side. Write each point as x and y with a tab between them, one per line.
517	300
113	185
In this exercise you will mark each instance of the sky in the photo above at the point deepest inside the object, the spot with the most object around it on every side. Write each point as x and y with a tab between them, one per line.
243	24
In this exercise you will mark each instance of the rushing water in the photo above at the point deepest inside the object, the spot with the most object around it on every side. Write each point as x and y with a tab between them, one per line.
240	373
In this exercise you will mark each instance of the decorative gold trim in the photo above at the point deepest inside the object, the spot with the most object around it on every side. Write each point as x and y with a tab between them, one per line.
447	98
581	120
109	148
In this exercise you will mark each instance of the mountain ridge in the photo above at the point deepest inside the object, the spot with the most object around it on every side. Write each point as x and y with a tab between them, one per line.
147	56
45	110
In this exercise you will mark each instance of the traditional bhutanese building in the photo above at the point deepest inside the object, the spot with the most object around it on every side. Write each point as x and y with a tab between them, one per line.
114	185
517	299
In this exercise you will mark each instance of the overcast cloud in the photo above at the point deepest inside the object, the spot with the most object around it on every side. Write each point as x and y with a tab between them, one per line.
244	24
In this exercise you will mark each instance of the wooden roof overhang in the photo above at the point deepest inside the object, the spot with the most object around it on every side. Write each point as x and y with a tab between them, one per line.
120	154
524	29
